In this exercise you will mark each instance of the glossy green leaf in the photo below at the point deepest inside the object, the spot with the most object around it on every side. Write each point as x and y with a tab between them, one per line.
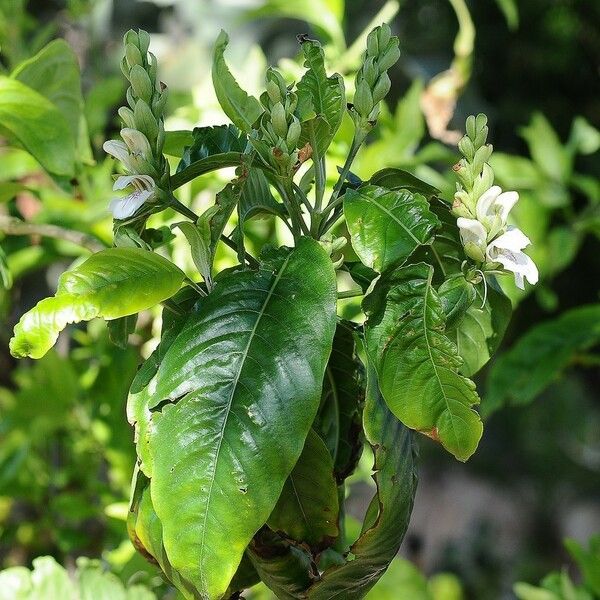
307	509
456	295
54	73
339	420
198	236
319	95
111	284
387	226
244	368
540	356
34	122
396	480
395	179
206	165
417	364
242	109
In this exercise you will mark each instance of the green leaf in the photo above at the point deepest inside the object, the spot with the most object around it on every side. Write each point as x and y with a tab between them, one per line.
319	95
284	569
120	329
540	356
588	561
339	420
387	226
584	137
206	165
546	149
481	328
198	236
212	141
395	179
38	125
307	509
417	364
54	73
510	10
456	295
524	591
245	373
242	109
396	480
111	284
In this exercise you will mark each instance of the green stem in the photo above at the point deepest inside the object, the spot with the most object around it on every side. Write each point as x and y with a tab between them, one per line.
294	205
350	294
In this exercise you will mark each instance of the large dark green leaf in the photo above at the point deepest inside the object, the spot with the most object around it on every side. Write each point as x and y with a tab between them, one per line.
111	284
387	226
206	165
417	364
307	510
232	403
540	356
38	125
242	109
319	95
395	179
395	476
339	420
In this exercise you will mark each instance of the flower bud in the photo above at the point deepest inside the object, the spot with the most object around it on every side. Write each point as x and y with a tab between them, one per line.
130	98
384	35
279	121
473	251
124	67
140	82
363	99
145	121
466	147
133	55
137	142
126	115
382	88
372	44
293	134
390	57
273	92
144	41
370	72
152	69
131	37
159	102
160	138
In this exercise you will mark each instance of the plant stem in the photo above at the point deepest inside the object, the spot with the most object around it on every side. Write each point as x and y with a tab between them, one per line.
350	294
293	204
14	226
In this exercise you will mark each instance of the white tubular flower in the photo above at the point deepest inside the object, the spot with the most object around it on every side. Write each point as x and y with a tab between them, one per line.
507	250
127	206
119	150
473	236
493	207
137	142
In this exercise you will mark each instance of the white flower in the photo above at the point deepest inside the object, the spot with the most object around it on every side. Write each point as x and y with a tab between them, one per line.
118	149
507	250
473	236
127	206
493	207
137	142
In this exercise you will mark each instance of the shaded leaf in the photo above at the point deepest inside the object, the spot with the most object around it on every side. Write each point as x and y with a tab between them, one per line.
417	364
387	226
112	283
243	369
395	179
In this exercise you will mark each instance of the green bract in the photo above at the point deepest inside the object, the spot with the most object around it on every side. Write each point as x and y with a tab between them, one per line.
256	404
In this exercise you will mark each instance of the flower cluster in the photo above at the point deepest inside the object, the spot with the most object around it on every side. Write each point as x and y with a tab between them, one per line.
372	81
482	210
279	131
140	150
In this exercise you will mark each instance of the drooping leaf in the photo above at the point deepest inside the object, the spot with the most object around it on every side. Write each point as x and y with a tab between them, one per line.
242	109
319	95
395	476
34	122
540	356
243	379
212	141
307	509
482	328
417	364
339	420
387	226
198	236
395	179
54	73
284	569
112	283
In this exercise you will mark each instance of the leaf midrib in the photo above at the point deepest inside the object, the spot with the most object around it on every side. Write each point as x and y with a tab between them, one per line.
393	216
241	362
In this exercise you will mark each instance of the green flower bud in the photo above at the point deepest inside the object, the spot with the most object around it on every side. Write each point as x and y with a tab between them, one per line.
140	82
390	57
130	98
126	115
152	69
144	41
363	99
137	142
466	148
279	121
145	121
384	35
160	138
133	55
293	134
160	101
482	155
373	43
473	251
131	37
382	87
370	72
124	67
470	126
273	92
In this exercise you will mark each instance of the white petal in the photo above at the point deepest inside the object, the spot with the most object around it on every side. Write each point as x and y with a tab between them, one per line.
123	208
504	204
117	149
136	141
142	181
472	231
530	271
519	282
486	201
514	239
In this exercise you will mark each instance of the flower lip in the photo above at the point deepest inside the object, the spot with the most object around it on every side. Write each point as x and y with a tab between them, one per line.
507	250
494	202
139	182
123	208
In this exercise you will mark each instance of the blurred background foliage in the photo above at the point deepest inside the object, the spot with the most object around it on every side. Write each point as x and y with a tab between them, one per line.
66	451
